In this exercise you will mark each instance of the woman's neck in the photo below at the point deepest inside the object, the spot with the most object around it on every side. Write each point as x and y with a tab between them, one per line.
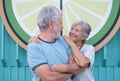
79	44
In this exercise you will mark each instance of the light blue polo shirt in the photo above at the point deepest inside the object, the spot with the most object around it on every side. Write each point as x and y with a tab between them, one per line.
50	53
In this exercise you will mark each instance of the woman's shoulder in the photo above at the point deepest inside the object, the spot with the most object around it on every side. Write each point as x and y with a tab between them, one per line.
88	46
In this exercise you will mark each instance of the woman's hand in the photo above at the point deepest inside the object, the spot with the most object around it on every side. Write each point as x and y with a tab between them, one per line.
71	59
69	40
34	39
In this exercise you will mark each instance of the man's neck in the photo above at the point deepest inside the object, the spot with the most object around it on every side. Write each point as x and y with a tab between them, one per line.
47	37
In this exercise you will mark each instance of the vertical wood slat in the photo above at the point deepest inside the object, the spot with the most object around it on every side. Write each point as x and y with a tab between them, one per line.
14	74
28	74
95	73
116	73
7	74
1	74
17	55
21	74
105	55
110	73
2	43
102	74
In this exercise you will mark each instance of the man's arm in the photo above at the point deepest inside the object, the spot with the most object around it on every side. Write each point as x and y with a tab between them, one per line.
71	67
46	74
67	68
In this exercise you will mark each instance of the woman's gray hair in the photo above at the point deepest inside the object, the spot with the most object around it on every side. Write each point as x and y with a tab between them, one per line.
47	13
86	27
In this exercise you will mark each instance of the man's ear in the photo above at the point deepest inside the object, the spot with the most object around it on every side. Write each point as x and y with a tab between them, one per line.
50	23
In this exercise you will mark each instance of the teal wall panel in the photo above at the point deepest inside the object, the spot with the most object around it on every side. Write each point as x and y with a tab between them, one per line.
110	73
113	55
1	73
99	58
15	74
96	72
109	55
14	66
13	62
102	74
117	73
106	73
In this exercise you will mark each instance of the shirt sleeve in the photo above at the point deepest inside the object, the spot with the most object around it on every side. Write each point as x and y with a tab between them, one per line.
67	47
89	52
35	56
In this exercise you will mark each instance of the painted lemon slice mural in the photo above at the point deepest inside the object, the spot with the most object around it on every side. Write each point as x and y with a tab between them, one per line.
100	14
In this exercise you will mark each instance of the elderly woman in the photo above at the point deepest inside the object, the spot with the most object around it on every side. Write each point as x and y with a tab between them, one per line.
78	34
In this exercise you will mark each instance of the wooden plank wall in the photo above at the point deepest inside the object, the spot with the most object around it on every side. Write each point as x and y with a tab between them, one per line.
14	67
13	62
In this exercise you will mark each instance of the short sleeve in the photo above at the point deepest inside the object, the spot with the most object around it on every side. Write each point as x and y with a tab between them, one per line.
67	47
35	56
89	52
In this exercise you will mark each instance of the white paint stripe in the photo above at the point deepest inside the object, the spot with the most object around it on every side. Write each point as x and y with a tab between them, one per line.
77	17
88	11
36	10
67	19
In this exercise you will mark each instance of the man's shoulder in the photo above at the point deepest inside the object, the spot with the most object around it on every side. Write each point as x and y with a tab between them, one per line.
33	45
60	38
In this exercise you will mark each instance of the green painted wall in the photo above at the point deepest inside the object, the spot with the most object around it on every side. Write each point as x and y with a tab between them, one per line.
14	67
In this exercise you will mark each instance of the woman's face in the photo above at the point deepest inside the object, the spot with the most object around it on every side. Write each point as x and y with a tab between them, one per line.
76	33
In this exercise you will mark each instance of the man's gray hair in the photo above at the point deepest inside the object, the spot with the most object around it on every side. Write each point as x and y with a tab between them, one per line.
86	27
47	13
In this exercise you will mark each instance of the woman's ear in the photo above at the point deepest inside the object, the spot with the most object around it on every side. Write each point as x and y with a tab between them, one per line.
84	38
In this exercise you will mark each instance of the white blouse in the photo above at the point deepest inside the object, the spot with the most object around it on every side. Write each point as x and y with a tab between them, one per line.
87	75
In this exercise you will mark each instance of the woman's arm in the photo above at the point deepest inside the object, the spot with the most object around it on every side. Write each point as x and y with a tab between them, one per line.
79	58
71	67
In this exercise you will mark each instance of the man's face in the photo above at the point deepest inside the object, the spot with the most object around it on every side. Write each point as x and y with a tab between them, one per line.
57	27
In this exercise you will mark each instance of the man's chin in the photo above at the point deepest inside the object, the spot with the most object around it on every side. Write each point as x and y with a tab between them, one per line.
57	35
